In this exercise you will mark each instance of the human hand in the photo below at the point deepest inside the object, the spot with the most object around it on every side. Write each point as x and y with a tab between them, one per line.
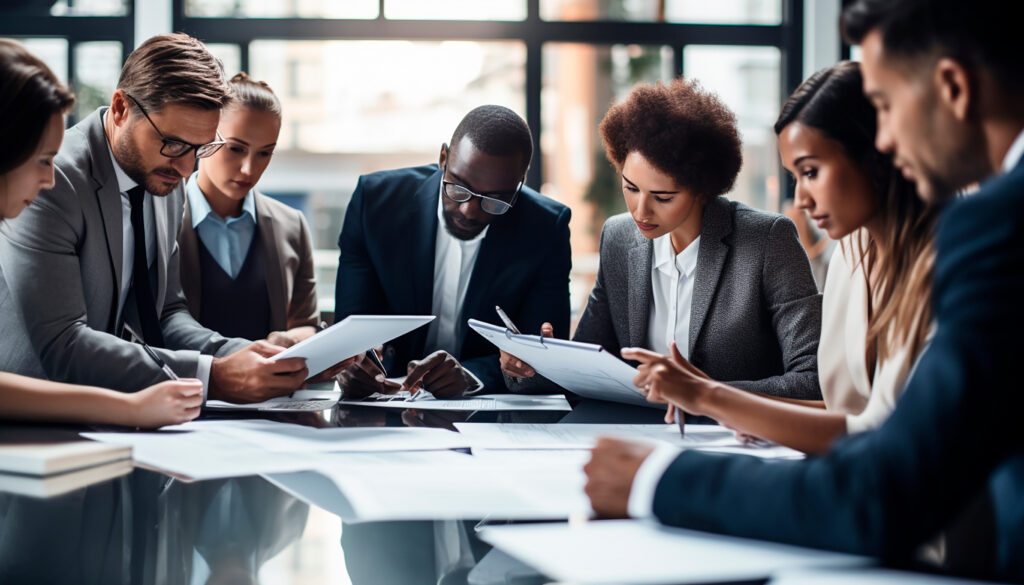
613	465
363	378
440	374
671	379
281	339
514	366
249	375
168	403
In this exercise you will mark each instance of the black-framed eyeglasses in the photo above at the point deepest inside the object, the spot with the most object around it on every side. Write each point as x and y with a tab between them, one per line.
491	205
174	148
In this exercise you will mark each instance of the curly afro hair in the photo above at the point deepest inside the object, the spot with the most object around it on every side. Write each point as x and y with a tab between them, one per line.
682	129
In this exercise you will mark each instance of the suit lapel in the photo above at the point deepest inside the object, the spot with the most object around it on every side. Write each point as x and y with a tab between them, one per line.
271	251
715	226
640	291
108	199
424	239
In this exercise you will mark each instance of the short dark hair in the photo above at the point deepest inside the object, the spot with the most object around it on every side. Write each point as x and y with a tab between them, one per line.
979	33
257	95
682	129
497	131
30	94
174	69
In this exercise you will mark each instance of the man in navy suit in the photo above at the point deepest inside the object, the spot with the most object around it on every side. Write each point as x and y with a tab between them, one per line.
453	240
948	83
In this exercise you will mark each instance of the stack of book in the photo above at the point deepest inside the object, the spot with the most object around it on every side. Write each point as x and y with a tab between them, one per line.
43	464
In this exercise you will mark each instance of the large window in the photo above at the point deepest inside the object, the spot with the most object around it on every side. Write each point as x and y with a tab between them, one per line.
83	41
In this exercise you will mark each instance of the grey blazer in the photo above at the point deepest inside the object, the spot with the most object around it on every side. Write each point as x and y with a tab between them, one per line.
756	313
61	277
287	250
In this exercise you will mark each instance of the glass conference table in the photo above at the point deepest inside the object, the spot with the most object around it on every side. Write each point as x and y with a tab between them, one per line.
150	528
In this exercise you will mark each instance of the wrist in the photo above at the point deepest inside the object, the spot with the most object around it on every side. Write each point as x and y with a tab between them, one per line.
126	408
707	399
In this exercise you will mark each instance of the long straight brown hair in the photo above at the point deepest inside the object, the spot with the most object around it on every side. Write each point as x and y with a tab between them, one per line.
832	101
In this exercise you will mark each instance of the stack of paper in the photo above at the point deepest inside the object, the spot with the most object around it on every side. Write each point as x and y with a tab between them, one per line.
482	403
50	469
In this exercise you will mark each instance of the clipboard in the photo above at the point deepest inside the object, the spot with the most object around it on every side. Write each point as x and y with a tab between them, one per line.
585	369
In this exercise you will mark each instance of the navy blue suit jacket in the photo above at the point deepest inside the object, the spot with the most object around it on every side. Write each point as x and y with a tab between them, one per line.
954	433
387	265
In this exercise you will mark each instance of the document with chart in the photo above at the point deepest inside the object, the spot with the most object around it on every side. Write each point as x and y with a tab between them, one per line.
582	368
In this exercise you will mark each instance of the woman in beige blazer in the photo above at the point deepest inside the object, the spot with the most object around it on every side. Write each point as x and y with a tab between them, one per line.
875	308
246	259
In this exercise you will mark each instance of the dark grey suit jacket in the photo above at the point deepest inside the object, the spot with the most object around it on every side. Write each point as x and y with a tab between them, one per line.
61	279
756	313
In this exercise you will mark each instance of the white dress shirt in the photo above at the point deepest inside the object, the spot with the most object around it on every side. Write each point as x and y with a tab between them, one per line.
453	266
125	184
226	239
672	285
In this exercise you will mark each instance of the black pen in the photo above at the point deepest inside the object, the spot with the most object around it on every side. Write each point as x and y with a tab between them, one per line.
163	365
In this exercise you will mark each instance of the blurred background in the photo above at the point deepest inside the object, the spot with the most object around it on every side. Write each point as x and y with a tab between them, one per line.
377	84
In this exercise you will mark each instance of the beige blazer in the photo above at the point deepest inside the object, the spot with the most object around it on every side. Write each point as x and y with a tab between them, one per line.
842	361
287	254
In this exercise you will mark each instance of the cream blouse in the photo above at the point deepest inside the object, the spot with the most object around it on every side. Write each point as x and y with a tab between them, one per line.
842	365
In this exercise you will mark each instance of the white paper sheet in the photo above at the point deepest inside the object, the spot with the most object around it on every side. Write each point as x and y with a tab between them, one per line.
583	436
481	402
279	437
351	336
444	485
582	368
630	551
203	455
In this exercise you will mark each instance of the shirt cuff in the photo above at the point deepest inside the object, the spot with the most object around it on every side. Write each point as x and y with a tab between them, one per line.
641	494
203	373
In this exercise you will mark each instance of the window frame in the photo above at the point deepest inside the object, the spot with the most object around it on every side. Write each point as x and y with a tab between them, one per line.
533	32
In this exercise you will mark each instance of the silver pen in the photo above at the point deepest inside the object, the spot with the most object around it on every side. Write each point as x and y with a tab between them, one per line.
508	322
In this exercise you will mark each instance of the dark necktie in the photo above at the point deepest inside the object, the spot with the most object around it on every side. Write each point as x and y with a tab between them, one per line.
143	292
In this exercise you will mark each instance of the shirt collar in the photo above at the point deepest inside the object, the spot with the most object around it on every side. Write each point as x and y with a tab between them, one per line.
124	182
442	227
201	209
1015	153
665	256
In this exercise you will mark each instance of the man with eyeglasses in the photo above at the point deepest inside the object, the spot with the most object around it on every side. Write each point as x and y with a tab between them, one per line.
454	239
93	264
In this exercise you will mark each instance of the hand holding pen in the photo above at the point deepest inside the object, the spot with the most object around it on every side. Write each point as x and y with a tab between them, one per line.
510	364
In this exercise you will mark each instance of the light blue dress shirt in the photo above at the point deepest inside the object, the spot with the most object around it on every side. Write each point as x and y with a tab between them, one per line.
227	240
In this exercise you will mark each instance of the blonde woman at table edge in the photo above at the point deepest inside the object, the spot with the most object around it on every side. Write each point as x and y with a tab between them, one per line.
875	310
32	105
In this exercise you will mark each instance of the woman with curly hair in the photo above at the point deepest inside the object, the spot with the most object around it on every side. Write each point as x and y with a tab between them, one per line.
728	285
876	315
32	106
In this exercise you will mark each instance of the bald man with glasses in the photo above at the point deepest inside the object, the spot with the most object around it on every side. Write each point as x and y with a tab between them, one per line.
454	239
